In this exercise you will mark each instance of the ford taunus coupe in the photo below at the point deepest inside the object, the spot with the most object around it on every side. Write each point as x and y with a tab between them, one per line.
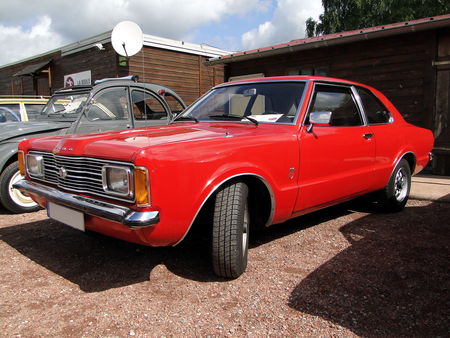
246	155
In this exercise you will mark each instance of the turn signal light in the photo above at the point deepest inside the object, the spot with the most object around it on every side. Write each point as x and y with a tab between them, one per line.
141	187
21	163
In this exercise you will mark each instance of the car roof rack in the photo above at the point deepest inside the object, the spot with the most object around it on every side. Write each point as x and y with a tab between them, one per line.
134	78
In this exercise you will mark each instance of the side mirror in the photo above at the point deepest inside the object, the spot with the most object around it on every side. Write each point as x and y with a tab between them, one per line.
321	118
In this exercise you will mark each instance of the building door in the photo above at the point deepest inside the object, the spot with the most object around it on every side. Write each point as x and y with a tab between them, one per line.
441	128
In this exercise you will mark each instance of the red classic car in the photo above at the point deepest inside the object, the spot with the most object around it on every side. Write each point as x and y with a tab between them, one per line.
246	155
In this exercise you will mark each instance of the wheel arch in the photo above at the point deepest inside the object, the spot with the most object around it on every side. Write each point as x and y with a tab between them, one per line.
261	201
8	158
411	159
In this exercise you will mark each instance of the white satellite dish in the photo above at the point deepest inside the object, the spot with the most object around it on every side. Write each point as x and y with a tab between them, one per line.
127	38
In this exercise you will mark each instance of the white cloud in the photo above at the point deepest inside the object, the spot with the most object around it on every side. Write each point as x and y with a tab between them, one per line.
56	23
288	23
19	43
28	27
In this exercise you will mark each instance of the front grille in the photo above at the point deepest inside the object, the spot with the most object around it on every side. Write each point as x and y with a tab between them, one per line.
84	174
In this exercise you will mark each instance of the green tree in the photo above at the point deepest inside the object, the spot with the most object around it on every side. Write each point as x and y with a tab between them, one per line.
344	15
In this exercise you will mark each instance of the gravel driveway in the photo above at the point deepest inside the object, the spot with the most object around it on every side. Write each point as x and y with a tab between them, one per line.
344	271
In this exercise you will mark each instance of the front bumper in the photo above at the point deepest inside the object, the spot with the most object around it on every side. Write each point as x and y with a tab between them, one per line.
109	211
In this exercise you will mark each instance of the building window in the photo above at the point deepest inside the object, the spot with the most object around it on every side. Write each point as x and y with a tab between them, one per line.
319	71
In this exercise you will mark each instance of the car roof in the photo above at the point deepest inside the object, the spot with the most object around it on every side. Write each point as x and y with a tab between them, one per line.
295	78
115	83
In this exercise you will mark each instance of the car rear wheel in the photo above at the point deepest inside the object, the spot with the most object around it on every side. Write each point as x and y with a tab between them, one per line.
13	199
396	193
230	233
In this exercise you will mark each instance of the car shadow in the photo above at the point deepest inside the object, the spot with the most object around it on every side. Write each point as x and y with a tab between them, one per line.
392	280
97	263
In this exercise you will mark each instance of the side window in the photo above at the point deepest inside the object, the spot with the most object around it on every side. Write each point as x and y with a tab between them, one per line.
33	110
175	105
111	104
147	107
339	101
14	107
375	111
7	115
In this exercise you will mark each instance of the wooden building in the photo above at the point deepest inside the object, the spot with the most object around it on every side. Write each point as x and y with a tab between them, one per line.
177	64
408	61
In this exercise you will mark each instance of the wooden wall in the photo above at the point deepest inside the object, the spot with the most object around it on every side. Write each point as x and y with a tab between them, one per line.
412	70
101	63
22	85
184	73
400	67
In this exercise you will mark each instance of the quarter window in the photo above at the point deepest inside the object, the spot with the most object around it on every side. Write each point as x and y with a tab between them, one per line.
339	101
375	111
175	105
147	107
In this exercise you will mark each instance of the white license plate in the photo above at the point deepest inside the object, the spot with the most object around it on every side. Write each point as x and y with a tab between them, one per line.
68	216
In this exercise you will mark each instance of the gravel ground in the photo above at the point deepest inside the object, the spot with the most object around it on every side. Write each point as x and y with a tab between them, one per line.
343	271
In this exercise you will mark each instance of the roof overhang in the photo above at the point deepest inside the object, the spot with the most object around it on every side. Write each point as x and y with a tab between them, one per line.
33	69
337	39
149	41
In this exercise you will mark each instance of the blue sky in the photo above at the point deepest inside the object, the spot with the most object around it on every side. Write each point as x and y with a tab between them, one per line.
29	27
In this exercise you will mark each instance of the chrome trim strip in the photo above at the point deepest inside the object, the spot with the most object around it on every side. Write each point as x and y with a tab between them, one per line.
272	200
109	211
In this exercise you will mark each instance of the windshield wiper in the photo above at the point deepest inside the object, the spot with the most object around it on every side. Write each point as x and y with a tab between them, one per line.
234	117
191	118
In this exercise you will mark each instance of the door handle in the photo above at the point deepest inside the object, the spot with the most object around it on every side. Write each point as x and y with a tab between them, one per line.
368	136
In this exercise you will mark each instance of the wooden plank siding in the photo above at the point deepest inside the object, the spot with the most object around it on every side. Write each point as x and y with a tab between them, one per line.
21	85
101	63
399	66
185	73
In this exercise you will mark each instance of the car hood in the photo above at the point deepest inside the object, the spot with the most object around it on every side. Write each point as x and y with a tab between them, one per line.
126	143
12	130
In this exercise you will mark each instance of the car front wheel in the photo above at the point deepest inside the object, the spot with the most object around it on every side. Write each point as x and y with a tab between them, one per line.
395	195
13	199
230	233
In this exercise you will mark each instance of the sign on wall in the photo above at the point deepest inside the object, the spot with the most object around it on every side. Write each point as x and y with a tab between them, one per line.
81	78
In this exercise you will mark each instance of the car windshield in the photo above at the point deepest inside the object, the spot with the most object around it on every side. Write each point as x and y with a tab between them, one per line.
65	106
271	102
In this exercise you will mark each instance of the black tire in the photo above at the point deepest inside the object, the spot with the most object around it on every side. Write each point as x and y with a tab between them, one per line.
395	195
230	231
12	199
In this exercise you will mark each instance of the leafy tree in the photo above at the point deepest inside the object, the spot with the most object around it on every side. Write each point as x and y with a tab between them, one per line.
344	15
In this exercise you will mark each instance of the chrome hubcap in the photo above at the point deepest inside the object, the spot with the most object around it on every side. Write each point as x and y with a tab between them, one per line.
400	185
17	196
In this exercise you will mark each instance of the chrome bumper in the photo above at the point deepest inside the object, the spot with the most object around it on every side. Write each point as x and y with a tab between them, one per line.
109	211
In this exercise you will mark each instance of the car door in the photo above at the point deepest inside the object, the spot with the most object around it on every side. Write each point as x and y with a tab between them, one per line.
337	159
109	109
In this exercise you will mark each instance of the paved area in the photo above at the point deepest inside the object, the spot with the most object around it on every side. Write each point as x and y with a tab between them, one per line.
431	187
